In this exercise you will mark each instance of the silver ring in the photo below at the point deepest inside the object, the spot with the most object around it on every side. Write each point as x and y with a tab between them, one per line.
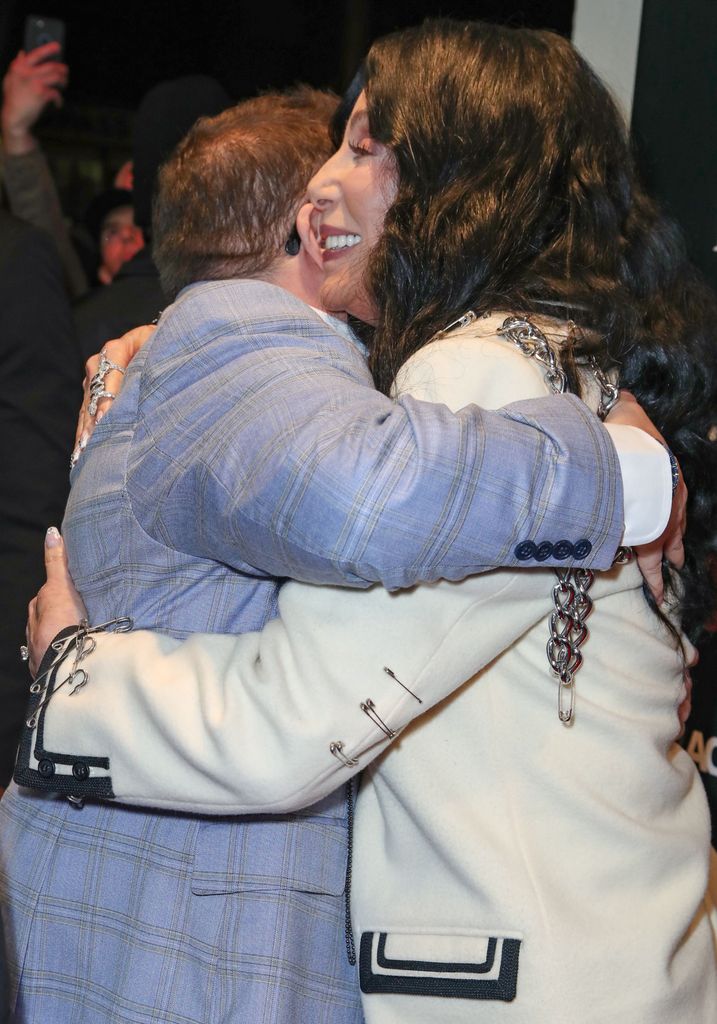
98	396
97	383
106	365
24	653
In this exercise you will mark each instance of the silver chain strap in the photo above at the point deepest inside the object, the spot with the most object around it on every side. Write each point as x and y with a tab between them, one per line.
534	344
609	392
568	632
571	600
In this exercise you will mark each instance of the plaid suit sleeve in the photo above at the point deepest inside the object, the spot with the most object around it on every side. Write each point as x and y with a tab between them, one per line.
275	455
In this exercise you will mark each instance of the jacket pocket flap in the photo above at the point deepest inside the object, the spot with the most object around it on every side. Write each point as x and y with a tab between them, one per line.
259	854
452	964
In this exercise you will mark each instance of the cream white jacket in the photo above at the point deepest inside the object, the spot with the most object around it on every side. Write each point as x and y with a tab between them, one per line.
506	868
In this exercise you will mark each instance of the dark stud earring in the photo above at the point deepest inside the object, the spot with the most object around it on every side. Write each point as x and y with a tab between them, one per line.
293	243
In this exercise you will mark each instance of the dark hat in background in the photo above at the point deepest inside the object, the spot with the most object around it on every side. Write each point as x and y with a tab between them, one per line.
164	117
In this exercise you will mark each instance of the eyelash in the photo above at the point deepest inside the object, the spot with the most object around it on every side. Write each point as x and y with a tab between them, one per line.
359	150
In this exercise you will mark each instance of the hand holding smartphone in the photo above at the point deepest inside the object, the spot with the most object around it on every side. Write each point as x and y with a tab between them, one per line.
40	31
35	78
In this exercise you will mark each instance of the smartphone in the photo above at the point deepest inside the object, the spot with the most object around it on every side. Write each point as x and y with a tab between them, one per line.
40	30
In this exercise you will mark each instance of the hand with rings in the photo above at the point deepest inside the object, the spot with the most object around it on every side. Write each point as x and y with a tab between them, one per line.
103	382
97	383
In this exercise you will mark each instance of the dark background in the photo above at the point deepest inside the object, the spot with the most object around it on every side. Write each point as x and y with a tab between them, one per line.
117	50
674	118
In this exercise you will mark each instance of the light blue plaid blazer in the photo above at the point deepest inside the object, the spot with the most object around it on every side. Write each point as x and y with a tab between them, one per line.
248	444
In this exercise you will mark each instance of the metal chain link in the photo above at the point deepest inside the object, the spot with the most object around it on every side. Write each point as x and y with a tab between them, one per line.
609	392
571	600
568	632
533	343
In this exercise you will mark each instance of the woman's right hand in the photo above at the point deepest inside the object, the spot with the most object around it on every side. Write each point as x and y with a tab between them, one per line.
120	352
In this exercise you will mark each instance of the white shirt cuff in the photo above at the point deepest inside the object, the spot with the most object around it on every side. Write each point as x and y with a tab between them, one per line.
646	483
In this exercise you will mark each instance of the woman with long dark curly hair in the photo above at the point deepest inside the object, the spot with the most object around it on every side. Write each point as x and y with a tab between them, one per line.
482	216
516	165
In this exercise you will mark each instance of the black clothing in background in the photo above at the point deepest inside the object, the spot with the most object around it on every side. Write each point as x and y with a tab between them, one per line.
134	297
40	392
164	116
700	737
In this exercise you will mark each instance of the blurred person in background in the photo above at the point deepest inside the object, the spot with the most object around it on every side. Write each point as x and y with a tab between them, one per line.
40	372
165	114
32	81
124	178
110	223
135	296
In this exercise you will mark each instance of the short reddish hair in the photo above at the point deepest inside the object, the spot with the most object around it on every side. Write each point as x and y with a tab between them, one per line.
228	195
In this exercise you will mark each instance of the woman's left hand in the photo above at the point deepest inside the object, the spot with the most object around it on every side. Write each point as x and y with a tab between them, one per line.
57	605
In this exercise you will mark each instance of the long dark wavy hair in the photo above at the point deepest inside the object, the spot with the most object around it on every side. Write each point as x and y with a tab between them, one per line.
517	191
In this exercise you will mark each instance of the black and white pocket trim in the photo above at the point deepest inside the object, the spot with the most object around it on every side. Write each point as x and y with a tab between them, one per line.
475	965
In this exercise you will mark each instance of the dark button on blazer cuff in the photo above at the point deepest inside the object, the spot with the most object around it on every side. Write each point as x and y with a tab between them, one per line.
583	548
563	549
543	551
525	551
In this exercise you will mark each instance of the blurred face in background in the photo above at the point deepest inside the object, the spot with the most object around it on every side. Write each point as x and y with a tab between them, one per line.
120	239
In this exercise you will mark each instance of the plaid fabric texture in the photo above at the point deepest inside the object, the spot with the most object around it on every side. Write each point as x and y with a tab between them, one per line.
248	444
114	915
261	445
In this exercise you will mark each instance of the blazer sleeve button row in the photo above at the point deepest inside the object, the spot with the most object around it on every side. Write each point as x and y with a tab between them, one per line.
528	551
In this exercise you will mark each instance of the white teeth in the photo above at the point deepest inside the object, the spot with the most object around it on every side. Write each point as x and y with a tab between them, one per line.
341	241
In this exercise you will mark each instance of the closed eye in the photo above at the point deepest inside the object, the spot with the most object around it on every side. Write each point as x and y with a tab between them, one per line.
363	148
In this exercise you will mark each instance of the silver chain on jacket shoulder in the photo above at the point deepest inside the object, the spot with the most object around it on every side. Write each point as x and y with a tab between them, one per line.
571	600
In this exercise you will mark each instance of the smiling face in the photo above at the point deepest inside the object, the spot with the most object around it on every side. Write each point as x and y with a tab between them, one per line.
350	196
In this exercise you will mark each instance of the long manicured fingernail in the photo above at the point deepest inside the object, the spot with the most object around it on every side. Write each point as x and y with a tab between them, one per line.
52	537
99	416
84	438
